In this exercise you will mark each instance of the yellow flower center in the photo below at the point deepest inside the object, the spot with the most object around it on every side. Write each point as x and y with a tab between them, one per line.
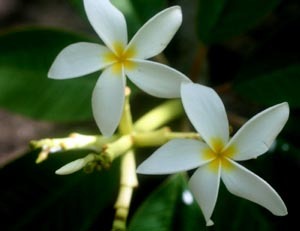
219	154
120	58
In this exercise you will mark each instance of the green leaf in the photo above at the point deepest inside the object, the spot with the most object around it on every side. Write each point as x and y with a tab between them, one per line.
33	197
164	209
167	210
219	19
273	87
157	211
25	58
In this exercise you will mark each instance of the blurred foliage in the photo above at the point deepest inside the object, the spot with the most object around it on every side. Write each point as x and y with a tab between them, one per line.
251	46
25	57
219	20
270	74
33	196
145	9
273	87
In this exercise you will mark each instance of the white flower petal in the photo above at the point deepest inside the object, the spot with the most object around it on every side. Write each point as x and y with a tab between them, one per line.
204	184
108	100
107	21
156	79
175	156
243	183
258	134
156	34
78	59
206	112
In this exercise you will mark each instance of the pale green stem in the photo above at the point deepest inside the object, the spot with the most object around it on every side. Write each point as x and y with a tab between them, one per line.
74	141
160	137
118	147
127	184
126	126
159	116
128	174
125	142
154	119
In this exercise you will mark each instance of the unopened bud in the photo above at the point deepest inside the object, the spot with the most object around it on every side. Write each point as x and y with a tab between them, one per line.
75	165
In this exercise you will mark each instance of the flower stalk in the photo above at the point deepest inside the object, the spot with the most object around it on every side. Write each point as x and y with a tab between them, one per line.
128	179
159	116
117	148
74	141
126	126
127	184
160	137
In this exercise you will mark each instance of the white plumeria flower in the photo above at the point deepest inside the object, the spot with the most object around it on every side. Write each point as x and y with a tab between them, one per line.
120	58
216	158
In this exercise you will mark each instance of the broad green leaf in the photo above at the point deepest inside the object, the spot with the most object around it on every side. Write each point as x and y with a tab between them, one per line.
219	19
188	214
273	87
158	210
33	197
25	58
167	210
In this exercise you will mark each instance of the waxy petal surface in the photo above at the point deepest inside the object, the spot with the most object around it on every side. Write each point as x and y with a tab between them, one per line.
258	134
243	183
156	79
78	59
107	21
108	100
156	34
206	112
175	156
204	185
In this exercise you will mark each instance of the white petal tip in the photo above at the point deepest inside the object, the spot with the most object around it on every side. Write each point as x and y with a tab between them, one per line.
142	170
176	8
145	169
284	214
50	74
139	171
106	127
285	107
209	223
281	213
